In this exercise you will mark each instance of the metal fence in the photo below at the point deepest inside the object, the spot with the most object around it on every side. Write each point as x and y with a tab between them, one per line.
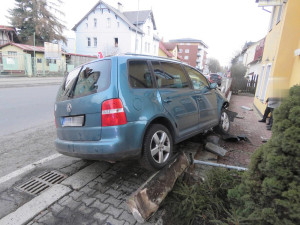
244	85
26	65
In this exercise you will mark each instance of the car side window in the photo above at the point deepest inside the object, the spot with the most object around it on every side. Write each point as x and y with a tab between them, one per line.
169	75
139	74
198	80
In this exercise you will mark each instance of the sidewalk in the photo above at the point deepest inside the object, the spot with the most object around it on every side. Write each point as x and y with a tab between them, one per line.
239	153
9	82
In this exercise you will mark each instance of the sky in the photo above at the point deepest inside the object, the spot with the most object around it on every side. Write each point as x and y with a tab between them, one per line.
223	25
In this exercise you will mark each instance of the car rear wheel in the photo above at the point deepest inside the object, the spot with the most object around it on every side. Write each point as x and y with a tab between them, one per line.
157	147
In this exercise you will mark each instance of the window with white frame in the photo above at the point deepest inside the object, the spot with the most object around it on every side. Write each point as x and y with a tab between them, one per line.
95	42
279	14
186	57
148	30
259	81
89	42
118	24
187	51
272	18
108	25
180	50
265	84
146	46
95	22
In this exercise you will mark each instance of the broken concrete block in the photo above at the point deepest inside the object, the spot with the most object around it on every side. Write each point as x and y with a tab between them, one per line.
213	139
215	149
246	108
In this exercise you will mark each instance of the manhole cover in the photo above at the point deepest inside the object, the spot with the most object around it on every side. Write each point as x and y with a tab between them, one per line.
38	184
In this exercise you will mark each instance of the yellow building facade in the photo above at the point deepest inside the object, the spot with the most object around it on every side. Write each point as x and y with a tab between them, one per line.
280	65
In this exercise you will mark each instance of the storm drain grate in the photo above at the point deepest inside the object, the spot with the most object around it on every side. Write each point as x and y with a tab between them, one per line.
38	184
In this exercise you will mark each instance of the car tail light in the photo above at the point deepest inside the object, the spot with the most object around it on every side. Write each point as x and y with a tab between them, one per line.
113	113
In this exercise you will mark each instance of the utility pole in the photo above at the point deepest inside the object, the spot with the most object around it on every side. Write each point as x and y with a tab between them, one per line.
137	21
34	61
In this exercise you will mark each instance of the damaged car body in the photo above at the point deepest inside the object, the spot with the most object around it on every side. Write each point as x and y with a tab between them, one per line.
133	106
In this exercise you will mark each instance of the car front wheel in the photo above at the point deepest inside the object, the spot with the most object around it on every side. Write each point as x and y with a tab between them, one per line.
157	147
224	124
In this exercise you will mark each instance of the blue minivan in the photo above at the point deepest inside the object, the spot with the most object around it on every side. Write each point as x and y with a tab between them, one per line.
135	106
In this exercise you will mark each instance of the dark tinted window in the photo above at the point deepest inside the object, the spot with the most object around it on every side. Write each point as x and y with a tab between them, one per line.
198	80
86	80
169	75
139	74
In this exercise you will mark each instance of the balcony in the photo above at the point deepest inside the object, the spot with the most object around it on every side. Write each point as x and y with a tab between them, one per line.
198	61
198	55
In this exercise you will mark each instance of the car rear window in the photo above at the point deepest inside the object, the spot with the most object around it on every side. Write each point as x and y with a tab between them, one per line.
85	80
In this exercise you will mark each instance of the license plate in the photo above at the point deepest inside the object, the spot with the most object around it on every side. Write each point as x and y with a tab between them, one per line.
73	121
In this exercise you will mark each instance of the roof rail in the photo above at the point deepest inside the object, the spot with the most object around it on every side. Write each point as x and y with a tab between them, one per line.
153	56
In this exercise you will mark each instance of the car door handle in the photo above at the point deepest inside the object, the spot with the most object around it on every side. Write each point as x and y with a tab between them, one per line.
167	100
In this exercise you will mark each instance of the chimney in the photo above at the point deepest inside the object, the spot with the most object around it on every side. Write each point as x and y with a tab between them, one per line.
120	7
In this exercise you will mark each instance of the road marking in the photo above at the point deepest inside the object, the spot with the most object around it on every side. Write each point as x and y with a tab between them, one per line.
28	167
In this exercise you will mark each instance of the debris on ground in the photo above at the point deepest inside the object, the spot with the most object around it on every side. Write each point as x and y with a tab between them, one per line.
215	149
239	117
146	200
246	108
263	139
234	138
213	139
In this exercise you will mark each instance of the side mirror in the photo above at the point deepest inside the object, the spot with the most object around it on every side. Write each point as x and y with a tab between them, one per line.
213	85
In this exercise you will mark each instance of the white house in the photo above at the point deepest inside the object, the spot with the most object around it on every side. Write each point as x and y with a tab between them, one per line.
111	31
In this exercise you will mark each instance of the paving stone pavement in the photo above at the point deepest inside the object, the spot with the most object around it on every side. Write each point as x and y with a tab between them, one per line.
101	201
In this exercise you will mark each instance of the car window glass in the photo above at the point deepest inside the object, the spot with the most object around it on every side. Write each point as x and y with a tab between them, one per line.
198	80
139	74
93	77
170	75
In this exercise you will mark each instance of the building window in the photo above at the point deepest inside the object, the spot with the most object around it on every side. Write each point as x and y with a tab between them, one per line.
89	42
108	23
265	84
95	42
279	14
118	24
116	42
180	50
259	82
11	53
146	46
39	60
154	49
95	22
86	25
148	30
272	18
186	57
187	51
149	47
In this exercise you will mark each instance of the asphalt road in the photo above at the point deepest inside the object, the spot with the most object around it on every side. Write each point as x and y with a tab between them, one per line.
26	107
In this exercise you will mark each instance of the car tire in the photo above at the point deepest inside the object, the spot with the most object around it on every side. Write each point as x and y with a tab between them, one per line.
224	123
157	147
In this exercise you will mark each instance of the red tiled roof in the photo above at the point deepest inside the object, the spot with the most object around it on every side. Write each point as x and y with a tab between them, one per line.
91	56
170	46
29	48
162	47
2	27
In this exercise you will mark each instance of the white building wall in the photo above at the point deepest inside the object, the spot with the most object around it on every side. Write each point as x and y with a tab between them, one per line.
249	54
104	33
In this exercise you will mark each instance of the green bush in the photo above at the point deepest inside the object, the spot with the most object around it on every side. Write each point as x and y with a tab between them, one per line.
205	201
270	190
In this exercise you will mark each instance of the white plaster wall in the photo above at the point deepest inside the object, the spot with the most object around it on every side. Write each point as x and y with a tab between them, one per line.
105	35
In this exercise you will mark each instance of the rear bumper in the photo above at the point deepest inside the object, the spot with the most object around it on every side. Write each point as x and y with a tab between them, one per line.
117	143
